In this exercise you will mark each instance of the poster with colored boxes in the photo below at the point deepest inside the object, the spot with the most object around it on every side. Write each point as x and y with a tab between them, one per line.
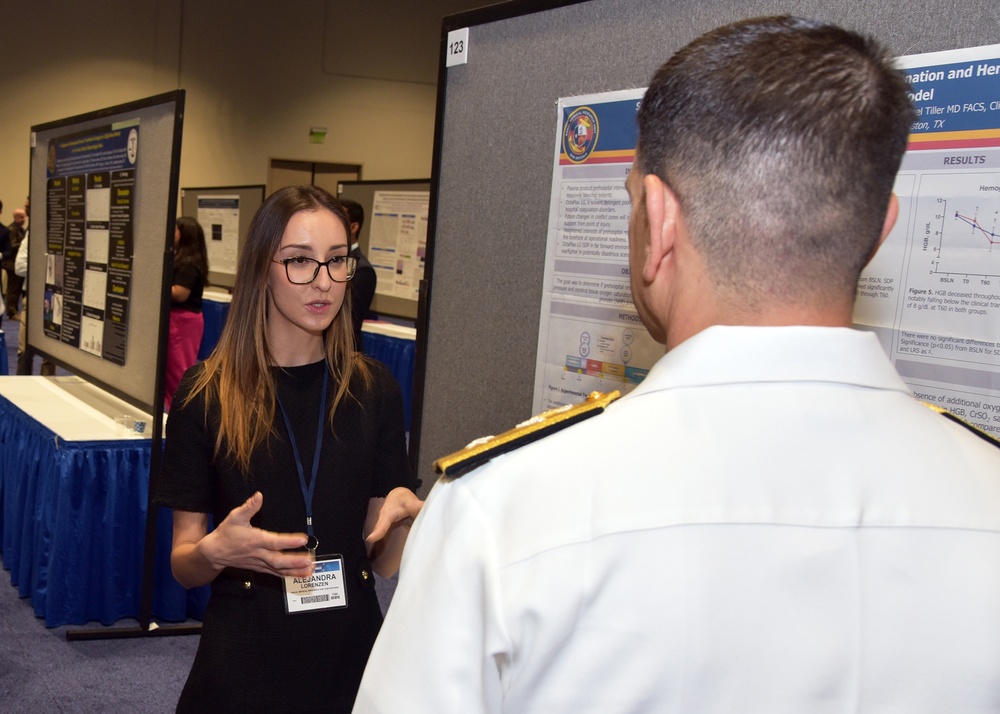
590	337
89	203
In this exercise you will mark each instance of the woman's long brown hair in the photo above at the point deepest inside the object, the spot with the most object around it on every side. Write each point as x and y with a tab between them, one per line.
191	248
237	374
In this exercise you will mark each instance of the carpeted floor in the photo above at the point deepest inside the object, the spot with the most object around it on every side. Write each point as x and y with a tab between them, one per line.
42	671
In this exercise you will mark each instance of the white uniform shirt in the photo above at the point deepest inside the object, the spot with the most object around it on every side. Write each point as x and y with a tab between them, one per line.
21	261
769	523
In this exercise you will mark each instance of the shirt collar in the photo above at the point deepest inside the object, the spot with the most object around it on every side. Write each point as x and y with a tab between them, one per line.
739	354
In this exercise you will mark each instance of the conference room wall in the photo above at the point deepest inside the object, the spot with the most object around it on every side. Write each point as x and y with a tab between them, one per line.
255	81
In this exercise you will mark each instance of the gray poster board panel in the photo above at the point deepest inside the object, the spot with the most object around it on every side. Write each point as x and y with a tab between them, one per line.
251	198
139	380
493	169
364	193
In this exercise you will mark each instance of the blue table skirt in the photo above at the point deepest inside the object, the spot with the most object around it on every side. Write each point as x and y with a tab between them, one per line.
215	314
398	355
72	519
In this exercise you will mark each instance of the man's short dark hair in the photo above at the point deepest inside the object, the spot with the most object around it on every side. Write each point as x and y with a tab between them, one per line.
781	138
354	211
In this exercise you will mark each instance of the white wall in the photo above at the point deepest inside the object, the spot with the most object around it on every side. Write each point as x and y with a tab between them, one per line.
255	81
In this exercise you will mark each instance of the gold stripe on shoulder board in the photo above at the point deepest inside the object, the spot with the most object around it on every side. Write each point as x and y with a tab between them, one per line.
535	428
971	427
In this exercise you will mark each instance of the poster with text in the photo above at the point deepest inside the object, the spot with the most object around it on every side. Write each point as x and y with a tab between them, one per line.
90	194
219	217
397	241
932	292
589	335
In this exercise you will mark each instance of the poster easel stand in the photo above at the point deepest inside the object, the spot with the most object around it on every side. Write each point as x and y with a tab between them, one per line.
110	176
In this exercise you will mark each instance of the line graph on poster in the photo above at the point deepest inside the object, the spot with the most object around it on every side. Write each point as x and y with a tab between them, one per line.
967	240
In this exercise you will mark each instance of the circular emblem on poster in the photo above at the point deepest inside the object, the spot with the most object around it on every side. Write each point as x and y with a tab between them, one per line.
132	147
580	134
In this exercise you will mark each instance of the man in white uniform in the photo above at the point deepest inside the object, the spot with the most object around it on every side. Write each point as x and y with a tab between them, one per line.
770	522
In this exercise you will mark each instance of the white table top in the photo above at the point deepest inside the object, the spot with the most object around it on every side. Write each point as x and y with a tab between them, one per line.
216	295
390	329
71	417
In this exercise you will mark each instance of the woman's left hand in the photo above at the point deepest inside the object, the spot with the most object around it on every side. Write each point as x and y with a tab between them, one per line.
400	507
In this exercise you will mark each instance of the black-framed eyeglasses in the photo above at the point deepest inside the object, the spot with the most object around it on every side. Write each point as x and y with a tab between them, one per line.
301	270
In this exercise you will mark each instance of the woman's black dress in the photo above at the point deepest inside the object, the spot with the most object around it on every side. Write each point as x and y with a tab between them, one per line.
252	655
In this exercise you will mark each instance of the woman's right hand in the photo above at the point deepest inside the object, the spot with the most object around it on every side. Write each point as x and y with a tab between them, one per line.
237	544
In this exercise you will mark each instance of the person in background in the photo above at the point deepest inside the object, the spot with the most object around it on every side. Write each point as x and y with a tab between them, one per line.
293	444
187	324
769	522
12	297
364	281
7	252
24	364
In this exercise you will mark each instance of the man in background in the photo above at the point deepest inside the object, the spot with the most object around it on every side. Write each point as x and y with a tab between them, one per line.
12	297
364	280
770	522
24	361
6	252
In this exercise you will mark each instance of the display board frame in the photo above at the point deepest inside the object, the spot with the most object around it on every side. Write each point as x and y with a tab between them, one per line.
364	193
250	199
139	378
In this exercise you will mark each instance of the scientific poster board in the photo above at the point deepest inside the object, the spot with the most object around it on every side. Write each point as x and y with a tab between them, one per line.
932	291
492	172
394	238
104	189
590	337
224	213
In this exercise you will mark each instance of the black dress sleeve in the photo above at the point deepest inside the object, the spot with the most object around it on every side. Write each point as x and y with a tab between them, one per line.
187	276
187	477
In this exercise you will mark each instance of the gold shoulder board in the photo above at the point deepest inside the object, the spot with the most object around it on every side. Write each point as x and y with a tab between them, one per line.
971	427
548	422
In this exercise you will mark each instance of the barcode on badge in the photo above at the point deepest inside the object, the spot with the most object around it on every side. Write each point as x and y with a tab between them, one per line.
309	599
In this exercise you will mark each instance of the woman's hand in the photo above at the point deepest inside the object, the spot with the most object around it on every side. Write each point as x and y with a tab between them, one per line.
390	520
237	544
197	557
400	507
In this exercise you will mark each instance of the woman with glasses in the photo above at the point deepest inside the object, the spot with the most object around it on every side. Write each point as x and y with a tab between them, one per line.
291	442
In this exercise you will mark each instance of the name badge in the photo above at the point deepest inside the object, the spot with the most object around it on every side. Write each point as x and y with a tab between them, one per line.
323	590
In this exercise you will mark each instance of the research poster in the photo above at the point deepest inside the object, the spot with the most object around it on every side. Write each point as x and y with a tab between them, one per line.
397	241
90	199
932	292
219	217
589	336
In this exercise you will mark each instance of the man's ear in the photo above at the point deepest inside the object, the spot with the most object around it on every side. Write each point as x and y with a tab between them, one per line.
891	214
662	209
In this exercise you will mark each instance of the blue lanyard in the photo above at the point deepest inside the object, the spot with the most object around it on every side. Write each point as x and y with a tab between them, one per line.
310	489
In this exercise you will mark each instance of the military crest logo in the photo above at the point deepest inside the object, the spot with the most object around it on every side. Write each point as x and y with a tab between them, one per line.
580	134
